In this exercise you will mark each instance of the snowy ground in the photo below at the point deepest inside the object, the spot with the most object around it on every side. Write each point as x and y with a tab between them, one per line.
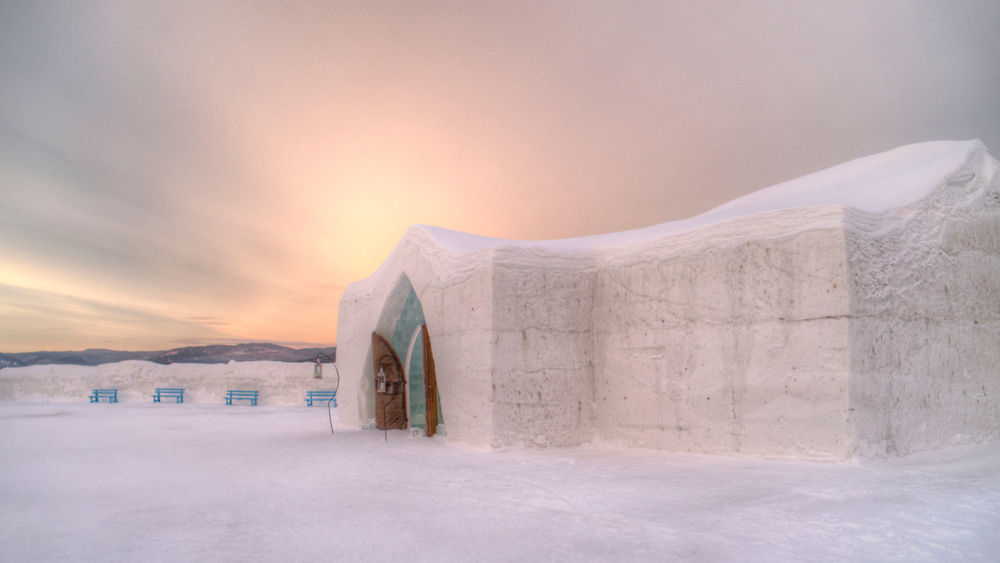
196	482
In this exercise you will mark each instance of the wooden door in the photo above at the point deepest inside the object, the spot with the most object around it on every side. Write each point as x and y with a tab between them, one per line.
430	384
390	401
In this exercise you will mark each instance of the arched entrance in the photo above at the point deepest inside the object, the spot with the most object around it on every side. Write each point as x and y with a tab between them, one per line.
411	344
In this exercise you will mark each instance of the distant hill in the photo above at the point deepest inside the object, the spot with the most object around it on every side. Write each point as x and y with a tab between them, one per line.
220	354
214	354
88	357
9	361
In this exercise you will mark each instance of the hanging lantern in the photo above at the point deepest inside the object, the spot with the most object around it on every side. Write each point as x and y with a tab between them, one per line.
318	369
380	379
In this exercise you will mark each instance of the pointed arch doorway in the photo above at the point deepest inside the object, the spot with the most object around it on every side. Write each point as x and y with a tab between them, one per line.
407	352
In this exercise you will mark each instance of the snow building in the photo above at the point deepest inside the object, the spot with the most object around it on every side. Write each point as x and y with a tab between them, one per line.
854	310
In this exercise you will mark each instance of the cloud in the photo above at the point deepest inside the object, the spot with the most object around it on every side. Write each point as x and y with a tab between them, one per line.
33	320
244	162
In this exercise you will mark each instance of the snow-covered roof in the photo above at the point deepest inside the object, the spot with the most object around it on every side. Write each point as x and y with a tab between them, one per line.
874	183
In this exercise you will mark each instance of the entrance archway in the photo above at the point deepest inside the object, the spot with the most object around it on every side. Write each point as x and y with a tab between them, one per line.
402	324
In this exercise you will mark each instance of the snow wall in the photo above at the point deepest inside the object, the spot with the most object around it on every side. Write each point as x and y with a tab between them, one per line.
279	383
924	331
855	310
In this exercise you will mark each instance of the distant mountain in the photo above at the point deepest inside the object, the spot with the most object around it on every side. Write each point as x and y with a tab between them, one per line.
215	354
9	361
88	357
220	354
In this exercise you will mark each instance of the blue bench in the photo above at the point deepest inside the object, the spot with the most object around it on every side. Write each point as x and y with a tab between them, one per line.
249	395
168	392
110	394
320	396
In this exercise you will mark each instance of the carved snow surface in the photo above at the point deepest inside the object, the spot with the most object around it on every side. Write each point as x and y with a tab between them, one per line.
854	310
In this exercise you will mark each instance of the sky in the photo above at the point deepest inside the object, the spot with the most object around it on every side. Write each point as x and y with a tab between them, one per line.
178	173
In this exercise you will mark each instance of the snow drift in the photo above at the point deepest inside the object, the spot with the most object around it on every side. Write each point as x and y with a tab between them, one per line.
279	383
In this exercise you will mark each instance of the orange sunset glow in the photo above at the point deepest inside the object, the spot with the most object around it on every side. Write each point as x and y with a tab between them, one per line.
178	173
